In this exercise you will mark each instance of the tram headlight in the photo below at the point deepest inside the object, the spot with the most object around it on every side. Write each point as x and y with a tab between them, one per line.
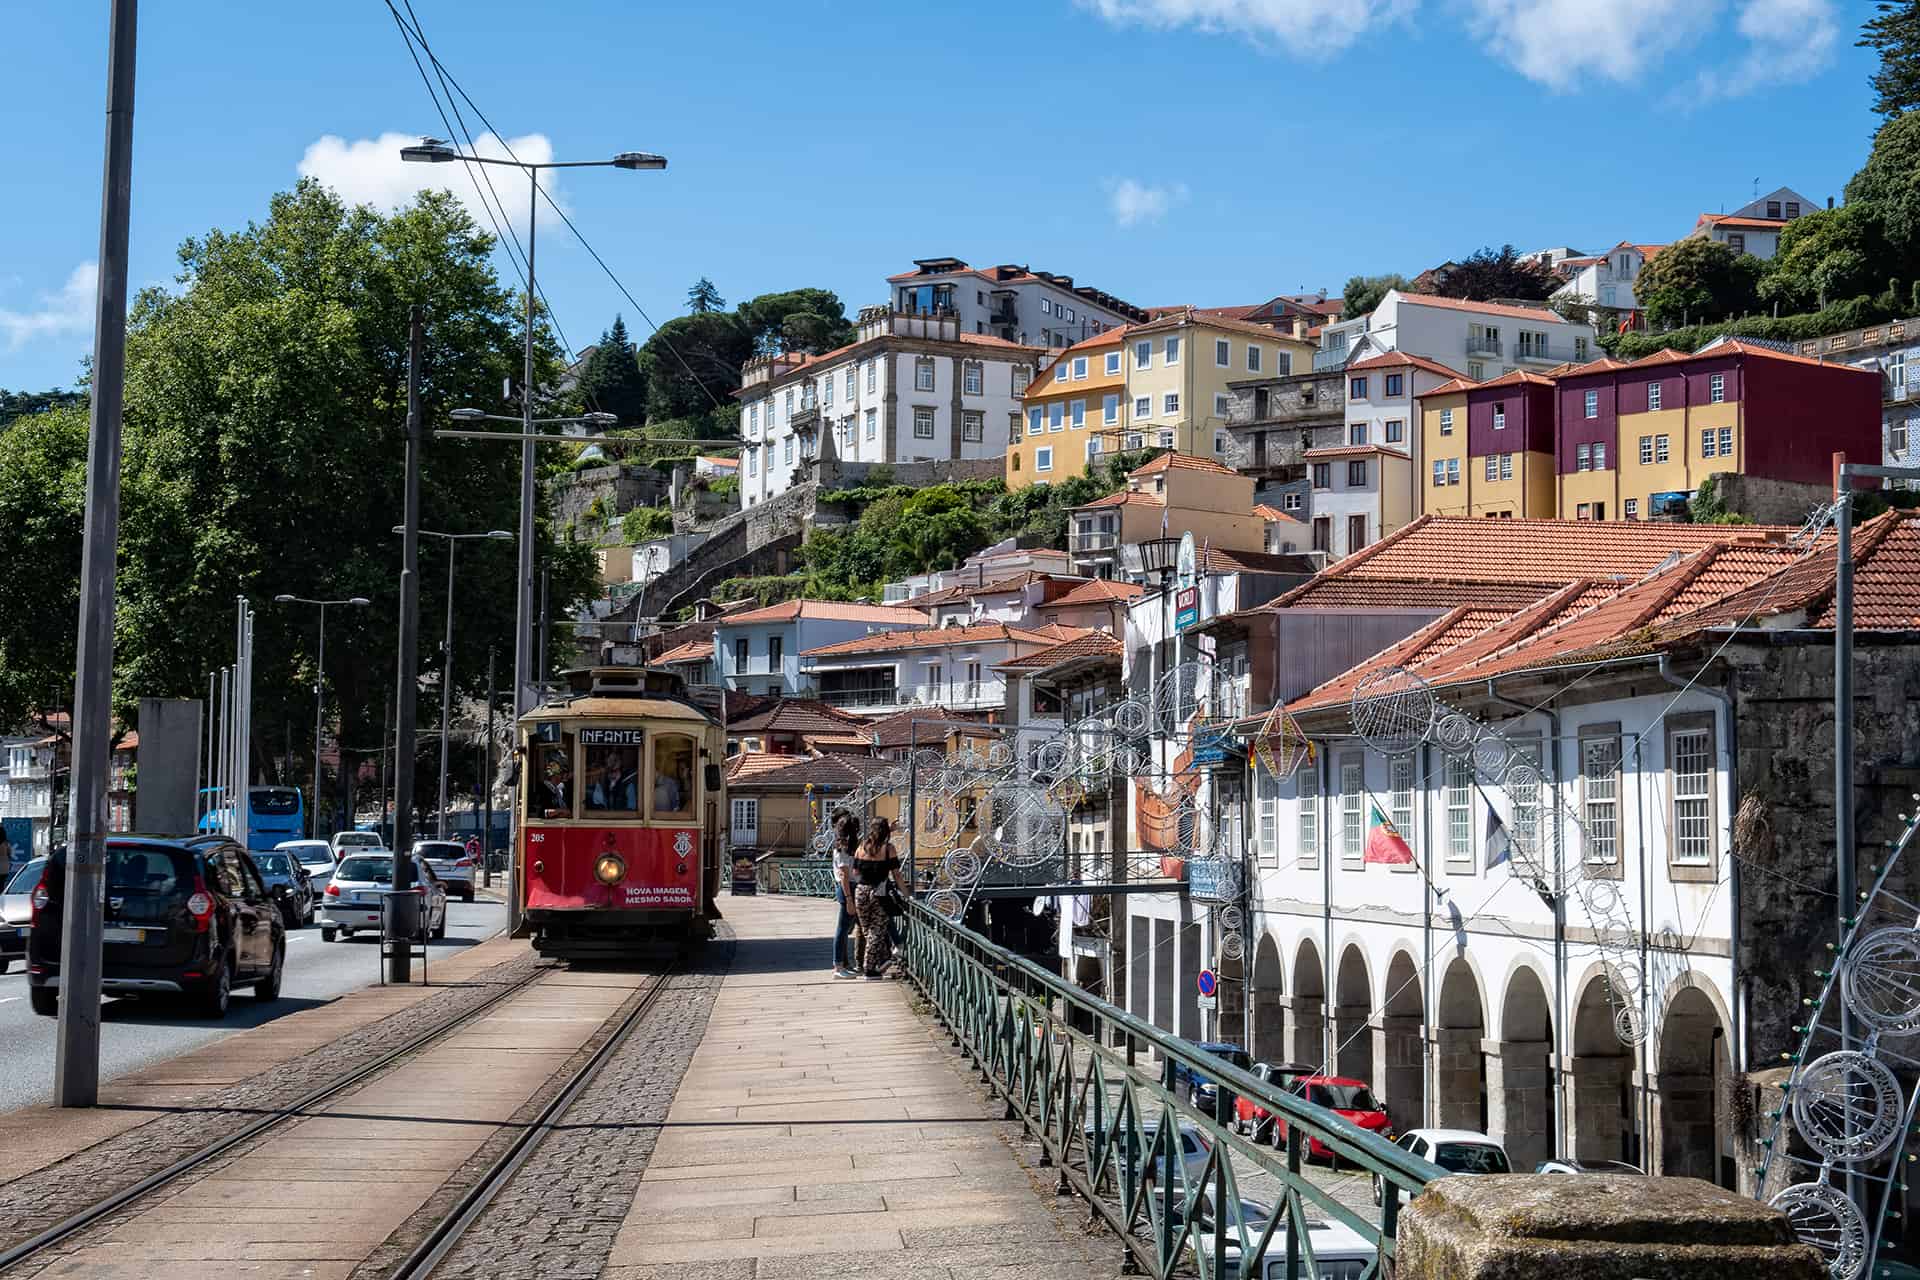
610	869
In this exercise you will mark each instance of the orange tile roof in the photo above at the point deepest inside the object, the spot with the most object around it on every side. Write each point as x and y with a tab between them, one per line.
897	730
1516	378
1457	386
1541	313
1189	315
1232	560
1350	451
796	715
1399	359
828	610
1739	223
1602	365
691	651
1123	498
1096	645
1096	591
1268	512
932	638
1182	462
1108	338
750	770
1325	592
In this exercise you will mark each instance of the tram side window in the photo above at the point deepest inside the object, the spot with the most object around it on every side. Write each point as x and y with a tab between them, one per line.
672	776
613	779
551	795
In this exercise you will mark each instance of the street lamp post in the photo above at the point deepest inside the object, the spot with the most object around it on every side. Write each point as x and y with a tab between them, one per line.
453	540
436	151
319	680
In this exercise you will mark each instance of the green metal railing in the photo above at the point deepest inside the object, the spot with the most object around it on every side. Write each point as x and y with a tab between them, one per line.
800	877
1111	1124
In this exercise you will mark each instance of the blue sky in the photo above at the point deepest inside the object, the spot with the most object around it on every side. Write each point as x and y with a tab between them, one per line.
1205	151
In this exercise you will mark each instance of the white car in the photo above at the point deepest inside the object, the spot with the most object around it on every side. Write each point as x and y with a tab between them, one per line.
1455	1150
1339	1252
450	862
315	855
346	842
352	902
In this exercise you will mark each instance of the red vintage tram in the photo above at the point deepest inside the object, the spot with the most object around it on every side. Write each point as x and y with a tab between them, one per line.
621	800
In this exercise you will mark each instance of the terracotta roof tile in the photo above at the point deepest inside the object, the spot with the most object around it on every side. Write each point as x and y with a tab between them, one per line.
932	638
1326	592
1189	315
691	651
796	715
1096	645
1738	223
1455	387
1231	560
752	770
1401	359
1124	498
1182	462
1351	451
1516	378
895	731
1543	314
1095	591
828	610
1267	511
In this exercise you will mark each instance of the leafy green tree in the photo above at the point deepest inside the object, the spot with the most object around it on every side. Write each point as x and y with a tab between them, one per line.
643	523
264	441
610	378
692	363
703	297
1498	273
1888	189
804	320
43	484
1363	293
1895	35
1824	256
1698	279
17	404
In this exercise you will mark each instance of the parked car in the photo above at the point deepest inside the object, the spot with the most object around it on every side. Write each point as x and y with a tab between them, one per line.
1339	1252
1589	1166
183	917
16	911
1194	1148
450	861
351	903
315	855
347	842
1455	1150
1254	1120
278	868
1200	1090
1350	1099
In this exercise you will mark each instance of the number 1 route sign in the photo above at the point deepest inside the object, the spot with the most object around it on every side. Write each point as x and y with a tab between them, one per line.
1207	983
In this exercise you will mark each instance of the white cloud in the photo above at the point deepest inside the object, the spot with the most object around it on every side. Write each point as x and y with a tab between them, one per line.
1787	41
1134	202
370	171
67	310
1313	28
1561	44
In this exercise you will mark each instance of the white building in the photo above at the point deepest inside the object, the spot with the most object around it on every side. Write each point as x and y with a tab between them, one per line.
29	788
1361	493
1755	227
990	564
1016	304
1482	339
1606	279
1383	409
955	666
909	388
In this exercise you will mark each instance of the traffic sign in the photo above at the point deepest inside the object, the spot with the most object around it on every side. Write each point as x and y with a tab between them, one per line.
1207	1003
1207	983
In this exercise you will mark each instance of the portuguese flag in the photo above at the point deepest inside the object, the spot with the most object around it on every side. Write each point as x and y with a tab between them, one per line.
1383	841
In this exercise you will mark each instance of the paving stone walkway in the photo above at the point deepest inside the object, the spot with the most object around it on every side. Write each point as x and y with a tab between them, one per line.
824	1129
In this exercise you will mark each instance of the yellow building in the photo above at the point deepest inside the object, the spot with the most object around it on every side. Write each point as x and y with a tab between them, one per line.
1487	448
1171	495
1066	410
1159	385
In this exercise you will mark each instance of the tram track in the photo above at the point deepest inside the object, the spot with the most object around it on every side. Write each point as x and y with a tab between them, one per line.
46	1240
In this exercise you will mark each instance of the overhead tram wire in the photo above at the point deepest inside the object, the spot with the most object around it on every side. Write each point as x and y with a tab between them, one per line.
418	33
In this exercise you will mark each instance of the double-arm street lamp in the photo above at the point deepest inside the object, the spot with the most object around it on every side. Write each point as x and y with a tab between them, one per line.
453	541
319	678
436	151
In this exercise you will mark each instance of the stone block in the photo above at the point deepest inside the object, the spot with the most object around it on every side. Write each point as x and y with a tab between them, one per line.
1595	1227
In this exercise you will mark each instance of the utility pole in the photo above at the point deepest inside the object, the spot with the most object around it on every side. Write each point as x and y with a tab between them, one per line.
77	1059
399	964
446	686
486	784
319	710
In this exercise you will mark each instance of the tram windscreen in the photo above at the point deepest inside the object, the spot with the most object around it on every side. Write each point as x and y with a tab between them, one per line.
613	779
550	790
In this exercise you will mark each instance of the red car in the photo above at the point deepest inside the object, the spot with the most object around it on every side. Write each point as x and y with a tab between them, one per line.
1254	1120
1351	1098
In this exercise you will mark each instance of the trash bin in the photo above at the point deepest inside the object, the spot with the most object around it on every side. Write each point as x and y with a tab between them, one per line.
402	916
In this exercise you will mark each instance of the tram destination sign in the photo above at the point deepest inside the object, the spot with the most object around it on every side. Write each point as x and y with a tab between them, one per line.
613	737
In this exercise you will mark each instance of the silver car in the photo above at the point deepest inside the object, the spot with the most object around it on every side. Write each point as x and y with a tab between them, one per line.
279	867
351	903
450	861
315	855
16	911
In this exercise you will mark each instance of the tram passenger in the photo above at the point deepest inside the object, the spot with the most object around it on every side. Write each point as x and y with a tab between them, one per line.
611	785
877	864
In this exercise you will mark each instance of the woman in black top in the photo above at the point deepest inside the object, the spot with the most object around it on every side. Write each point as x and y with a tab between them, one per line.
874	863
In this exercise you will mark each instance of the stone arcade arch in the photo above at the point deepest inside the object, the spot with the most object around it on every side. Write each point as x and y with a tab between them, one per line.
1399	1066
1353	1014
1602	1118
1306	1027
1692	1091
1520	1074
1269	1012
1459	1065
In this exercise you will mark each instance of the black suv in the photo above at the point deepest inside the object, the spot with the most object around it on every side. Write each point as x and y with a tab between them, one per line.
184	916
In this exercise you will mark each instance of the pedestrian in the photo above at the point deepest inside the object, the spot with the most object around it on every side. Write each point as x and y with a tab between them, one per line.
846	839
876	864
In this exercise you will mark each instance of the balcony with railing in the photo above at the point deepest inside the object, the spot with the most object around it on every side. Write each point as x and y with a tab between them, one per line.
1334	359
1483	344
1093	542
